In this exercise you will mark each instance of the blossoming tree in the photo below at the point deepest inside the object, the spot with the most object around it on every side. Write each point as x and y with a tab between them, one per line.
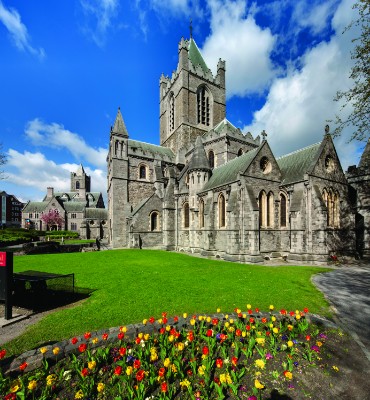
53	220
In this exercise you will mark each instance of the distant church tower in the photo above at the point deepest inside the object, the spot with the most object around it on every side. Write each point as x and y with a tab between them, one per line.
192	101
80	181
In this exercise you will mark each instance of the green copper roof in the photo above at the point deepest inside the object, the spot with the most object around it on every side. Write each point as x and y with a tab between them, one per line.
160	150
293	166
96	213
225	123
74	206
228	173
35	206
195	57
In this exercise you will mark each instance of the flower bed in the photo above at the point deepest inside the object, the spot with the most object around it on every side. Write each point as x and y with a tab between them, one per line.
244	356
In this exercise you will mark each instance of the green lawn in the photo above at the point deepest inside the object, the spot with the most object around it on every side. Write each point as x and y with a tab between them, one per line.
130	285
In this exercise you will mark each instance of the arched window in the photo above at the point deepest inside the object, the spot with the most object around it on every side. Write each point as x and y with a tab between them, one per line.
203	102
270	210
172	112
221	211
77	185
240	152
262	203
154	221
331	200
186	212
283	210
211	158
201	213
336	210
142	172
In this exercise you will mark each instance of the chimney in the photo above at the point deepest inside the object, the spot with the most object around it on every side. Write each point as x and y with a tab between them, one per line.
50	192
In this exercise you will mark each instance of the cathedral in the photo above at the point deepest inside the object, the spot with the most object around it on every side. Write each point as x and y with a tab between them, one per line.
210	189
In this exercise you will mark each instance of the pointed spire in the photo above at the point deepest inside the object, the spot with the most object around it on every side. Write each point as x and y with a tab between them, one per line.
191	28
365	158
80	170
195	56
199	161
119	127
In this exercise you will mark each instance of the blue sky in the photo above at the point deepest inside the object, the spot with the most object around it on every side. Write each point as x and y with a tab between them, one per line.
66	66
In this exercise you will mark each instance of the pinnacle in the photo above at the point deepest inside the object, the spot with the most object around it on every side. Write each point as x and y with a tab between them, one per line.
119	127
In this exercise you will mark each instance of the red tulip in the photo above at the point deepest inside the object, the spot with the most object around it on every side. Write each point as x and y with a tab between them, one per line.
23	366
118	370
140	375
82	347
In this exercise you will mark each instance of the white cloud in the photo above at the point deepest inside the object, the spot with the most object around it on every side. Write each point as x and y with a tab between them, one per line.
313	14
56	136
299	104
99	14
178	7
17	30
35	171
244	46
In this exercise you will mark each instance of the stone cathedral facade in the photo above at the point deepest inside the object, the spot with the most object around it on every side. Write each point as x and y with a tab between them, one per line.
210	189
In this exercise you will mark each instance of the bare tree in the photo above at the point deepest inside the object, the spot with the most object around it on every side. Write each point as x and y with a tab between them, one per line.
359	94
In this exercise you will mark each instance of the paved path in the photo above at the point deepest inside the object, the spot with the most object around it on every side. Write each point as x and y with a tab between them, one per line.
348	289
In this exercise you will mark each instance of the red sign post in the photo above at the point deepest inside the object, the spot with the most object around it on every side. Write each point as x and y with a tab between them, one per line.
6	281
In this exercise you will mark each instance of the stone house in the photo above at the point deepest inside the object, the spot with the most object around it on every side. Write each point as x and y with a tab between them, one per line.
82	211
209	188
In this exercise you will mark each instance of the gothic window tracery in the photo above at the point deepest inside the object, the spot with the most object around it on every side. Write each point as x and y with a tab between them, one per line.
172	112
331	200
203	103
270	210
283	210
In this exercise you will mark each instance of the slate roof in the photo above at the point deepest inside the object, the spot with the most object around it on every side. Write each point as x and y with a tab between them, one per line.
160	150
199	160
224	124
33	206
195	57
295	165
96	213
228	173
74	206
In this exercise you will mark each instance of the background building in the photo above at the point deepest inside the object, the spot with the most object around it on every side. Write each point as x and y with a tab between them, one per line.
11	210
82	211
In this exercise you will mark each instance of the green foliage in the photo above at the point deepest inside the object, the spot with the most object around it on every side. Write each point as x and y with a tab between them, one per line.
358	96
129	285
18	235
59	234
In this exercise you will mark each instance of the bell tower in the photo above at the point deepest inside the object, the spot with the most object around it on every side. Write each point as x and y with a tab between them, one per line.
192	101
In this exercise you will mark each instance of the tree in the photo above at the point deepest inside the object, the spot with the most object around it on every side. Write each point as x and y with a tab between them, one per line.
52	218
3	160
359	94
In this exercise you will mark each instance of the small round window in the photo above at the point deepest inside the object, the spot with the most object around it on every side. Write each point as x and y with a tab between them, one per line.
265	165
